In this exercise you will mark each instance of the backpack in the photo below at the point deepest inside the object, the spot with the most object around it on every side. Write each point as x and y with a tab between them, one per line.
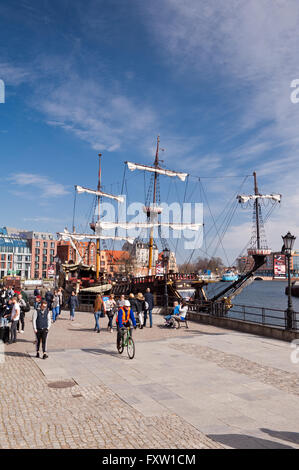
26	308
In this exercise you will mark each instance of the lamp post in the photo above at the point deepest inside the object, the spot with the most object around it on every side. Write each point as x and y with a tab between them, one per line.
165	257
288	243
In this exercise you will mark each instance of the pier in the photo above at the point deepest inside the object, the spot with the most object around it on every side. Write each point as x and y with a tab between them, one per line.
204	387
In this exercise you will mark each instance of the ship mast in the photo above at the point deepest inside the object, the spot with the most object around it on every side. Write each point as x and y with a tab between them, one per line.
151	241
98	257
256	206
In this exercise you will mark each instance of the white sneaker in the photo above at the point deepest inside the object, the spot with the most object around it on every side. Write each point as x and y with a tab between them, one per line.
22	331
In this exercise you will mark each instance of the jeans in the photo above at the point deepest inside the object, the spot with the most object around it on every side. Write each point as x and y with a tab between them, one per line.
96	317
41	335
13	331
55	312
110	318
168	317
150	317
72	312
21	321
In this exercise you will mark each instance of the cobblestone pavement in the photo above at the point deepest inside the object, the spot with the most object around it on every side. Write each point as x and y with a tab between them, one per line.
33	415
202	387
278	378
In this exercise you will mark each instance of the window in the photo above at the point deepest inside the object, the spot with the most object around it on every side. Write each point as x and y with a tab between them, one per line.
52	252
37	259
37	251
52	244
2	257
44	259
37	243
45	252
2	265
44	274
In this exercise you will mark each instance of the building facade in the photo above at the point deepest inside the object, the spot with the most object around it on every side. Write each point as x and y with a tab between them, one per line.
43	252
15	255
84	252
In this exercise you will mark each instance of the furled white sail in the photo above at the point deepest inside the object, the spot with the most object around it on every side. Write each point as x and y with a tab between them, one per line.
133	225
243	198
161	171
83	236
80	190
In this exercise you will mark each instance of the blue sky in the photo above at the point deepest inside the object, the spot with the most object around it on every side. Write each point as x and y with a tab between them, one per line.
212	78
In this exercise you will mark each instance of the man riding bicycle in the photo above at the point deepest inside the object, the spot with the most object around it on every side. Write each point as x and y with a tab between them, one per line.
123	320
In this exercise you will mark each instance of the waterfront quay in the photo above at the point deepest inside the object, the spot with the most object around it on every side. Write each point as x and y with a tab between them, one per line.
202	387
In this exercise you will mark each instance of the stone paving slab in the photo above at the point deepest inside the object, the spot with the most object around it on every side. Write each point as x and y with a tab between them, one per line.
181	387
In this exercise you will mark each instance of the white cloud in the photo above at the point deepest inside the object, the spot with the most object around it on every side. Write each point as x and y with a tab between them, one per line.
47	187
96	114
14	75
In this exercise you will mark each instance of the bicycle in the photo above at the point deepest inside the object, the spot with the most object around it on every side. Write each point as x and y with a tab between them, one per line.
126	341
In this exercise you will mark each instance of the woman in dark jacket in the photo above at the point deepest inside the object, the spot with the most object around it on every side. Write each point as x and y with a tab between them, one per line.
73	304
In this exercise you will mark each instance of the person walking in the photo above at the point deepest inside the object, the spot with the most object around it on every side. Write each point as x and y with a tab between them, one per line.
111	308
149	299
73	303
24	307
55	306
36	294
140	308
41	321
99	310
49	298
60	295
121	301
15	317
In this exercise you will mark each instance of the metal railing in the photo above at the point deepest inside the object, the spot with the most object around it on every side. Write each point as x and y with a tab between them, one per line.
248	313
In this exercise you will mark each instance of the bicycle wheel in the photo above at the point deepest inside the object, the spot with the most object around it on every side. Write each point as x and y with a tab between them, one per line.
131	348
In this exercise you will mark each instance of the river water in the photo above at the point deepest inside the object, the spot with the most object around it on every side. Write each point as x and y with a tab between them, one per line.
270	294
263	294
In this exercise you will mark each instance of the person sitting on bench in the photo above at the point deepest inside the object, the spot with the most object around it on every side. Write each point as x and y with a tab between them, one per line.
181	317
169	318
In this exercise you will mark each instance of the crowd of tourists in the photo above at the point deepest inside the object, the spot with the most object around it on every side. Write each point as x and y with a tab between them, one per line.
14	304
133	311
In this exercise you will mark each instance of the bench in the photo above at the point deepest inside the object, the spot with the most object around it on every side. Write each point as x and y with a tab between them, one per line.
181	322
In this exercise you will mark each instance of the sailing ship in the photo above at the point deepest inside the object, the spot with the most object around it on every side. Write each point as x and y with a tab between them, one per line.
168	284
152	211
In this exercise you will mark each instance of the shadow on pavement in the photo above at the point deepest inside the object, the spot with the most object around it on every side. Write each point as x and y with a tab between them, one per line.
197	332
242	441
82	329
99	352
16	354
283	435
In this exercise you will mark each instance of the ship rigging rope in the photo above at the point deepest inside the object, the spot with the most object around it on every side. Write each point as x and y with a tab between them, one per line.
232	203
184	200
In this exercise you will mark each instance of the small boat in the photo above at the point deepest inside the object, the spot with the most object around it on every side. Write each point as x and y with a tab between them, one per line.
229	276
